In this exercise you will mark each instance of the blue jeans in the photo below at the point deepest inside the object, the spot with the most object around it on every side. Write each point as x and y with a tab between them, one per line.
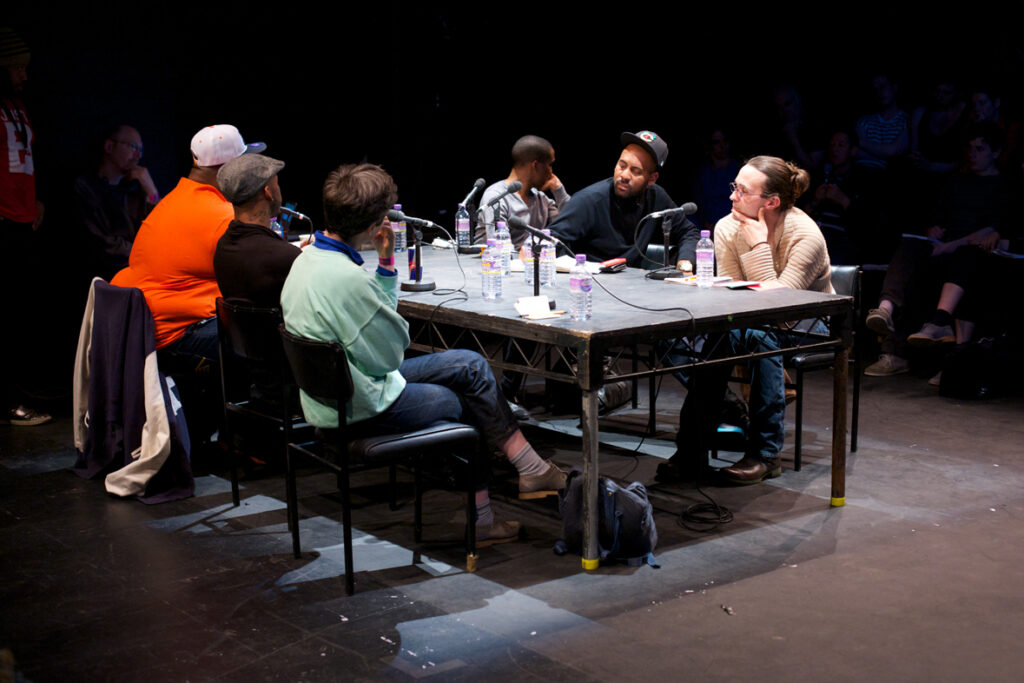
698	417
456	386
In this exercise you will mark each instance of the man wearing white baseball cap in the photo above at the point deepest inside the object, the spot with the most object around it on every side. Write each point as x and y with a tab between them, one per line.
172	257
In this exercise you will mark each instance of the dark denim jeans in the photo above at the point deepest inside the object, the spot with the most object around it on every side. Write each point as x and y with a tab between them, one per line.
699	415
456	385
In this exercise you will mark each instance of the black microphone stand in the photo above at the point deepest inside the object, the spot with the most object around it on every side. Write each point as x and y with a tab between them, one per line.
417	283
666	270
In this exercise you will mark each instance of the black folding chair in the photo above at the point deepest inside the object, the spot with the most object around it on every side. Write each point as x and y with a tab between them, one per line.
251	355
321	370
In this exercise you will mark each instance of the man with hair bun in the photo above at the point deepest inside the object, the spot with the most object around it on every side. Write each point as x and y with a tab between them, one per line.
767	239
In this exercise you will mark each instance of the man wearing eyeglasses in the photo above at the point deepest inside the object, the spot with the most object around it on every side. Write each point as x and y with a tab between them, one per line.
113	202
601	220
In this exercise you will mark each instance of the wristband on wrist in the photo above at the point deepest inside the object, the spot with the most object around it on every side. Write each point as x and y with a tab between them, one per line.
386	260
752	248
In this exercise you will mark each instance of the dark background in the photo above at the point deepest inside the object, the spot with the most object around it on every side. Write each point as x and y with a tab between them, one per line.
438	94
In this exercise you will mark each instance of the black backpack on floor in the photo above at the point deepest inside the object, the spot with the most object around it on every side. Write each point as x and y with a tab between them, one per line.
626	529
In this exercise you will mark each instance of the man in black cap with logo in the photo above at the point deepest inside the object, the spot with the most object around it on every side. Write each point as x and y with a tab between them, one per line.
252	261
601	220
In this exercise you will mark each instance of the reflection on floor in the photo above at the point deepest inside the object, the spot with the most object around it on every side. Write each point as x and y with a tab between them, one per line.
915	579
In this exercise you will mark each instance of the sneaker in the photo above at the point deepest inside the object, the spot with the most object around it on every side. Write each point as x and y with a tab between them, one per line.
879	320
886	365
932	334
499	532
936	380
24	417
541	485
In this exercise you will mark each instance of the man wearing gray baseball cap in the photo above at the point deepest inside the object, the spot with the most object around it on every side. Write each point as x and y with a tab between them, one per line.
252	261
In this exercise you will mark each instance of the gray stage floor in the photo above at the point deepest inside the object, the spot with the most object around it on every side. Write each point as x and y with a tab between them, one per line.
917	578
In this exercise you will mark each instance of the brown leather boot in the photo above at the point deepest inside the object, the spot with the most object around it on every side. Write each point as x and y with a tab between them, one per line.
752	469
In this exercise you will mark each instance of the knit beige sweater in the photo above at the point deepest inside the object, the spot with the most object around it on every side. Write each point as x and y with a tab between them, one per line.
796	258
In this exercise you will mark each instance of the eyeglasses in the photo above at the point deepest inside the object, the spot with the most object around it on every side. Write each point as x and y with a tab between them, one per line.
741	193
131	145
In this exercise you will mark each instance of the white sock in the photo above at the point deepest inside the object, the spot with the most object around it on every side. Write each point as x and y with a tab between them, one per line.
528	462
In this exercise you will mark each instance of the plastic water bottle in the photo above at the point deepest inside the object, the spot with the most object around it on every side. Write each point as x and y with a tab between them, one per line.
547	262
400	232
504	239
490	271
705	260
462	235
276	226
580	284
528	260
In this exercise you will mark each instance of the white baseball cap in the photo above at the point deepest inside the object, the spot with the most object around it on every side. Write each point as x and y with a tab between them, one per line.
215	145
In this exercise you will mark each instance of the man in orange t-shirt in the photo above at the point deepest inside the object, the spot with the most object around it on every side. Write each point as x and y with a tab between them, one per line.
172	257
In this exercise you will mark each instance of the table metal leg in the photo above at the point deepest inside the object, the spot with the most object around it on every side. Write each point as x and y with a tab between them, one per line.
840	374
590	471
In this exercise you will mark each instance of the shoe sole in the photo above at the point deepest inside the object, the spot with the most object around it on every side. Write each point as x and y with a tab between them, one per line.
887	373
498	541
34	422
770	474
924	341
533	495
878	326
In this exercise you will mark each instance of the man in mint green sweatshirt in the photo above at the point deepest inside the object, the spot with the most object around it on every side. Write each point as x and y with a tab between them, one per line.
330	297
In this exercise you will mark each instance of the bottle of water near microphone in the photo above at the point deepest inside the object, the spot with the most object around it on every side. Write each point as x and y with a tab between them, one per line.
580	284
504	239
490	271
400	229
462	236
547	262
705	260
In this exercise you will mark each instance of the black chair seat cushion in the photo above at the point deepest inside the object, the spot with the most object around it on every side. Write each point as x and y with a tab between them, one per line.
385	448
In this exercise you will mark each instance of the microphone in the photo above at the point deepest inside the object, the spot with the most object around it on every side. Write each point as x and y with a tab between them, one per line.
477	186
686	209
523	225
514	186
295	214
394	215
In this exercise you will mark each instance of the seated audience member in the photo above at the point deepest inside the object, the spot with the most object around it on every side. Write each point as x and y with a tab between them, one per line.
711	186
969	211
986	106
934	147
251	260
885	134
793	130
329	296
767	239
532	158
841	203
601	220
172	257
113	201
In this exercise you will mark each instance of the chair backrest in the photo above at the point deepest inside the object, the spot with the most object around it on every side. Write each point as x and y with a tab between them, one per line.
846	282
250	332
320	368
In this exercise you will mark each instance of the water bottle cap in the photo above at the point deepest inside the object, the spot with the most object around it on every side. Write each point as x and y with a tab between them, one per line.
581	258
491	242
398	207
705	233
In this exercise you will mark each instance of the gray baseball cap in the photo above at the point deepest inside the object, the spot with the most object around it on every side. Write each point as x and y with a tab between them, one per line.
241	178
